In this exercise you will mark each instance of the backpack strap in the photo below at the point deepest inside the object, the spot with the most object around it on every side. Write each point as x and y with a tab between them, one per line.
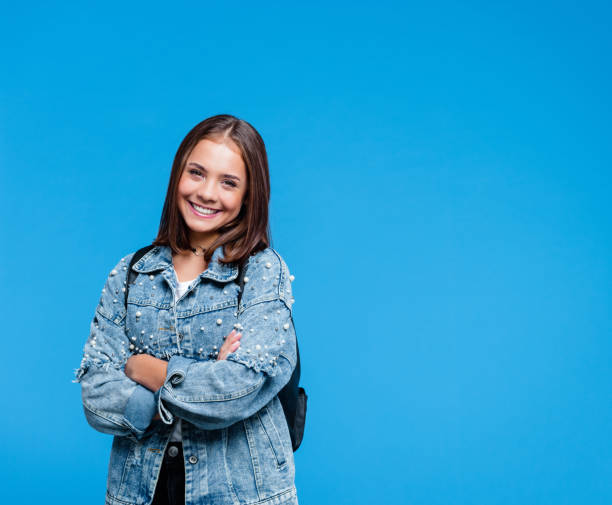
131	274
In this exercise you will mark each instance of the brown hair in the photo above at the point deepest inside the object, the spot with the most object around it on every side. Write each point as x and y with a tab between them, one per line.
249	232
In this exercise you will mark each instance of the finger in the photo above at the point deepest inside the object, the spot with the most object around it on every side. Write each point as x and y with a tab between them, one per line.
228	348
231	346
223	351
235	337
230	341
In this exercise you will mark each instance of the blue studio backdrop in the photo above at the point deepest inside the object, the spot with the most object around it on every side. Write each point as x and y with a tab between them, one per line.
441	181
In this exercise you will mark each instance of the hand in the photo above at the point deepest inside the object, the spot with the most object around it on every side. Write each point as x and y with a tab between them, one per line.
147	370
232	342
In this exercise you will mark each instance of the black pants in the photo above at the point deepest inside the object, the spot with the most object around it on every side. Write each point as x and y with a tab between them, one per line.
170	489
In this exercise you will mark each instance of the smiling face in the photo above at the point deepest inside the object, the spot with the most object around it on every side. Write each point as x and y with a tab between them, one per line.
214	179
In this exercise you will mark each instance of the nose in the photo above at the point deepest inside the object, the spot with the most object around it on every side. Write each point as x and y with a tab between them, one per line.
207	190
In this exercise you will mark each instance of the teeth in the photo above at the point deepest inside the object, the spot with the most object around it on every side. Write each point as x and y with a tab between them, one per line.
203	210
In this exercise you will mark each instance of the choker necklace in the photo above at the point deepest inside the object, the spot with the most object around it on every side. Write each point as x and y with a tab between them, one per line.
194	250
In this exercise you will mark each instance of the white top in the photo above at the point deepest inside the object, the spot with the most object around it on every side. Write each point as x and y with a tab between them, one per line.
176	435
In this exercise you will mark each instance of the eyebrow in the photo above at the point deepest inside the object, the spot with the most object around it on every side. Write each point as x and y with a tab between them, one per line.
205	169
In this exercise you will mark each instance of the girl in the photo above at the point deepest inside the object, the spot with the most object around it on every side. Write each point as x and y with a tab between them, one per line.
186	374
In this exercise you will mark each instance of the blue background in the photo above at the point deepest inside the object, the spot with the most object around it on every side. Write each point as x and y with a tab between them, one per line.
441	181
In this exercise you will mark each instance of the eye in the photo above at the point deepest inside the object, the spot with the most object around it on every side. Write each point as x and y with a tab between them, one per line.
195	171
231	183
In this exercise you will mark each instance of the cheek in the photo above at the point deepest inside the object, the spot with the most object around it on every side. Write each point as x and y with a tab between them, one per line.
186	189
183	187
238	204
232	203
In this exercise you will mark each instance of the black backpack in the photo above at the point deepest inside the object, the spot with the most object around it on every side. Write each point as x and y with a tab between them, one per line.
292	397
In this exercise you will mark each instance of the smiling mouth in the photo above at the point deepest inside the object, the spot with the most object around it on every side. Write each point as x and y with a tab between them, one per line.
203	211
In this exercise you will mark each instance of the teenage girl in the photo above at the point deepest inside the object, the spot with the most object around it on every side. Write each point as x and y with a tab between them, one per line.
187	376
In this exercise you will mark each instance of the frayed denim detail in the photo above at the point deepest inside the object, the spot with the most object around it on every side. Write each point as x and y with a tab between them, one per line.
105	365
79	372
168	353
256	364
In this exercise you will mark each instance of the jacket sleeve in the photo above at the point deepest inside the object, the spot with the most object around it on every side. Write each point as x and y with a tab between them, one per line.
113	403
216	394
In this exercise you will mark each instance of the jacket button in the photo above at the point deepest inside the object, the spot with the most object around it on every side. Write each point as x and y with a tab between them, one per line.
172	451
193	459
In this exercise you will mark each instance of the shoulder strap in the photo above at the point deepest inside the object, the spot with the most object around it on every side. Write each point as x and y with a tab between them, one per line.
131	274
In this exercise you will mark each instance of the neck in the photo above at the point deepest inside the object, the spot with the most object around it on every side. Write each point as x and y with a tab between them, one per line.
200	242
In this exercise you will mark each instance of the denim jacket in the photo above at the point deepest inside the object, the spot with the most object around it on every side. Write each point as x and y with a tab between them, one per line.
236	443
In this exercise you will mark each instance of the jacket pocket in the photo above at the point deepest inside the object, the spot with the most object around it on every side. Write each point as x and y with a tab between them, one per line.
272	434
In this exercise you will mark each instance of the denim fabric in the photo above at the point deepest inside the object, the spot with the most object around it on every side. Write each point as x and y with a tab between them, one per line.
236	443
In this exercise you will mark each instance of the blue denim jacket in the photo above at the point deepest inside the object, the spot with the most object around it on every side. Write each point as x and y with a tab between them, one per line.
236	442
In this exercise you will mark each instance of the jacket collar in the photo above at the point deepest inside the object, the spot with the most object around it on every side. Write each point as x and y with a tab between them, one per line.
160	258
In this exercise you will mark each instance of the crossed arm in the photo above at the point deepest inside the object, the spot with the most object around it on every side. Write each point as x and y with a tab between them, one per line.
122	394
151	372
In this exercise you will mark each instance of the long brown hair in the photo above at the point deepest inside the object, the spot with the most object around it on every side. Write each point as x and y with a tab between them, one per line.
249	232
